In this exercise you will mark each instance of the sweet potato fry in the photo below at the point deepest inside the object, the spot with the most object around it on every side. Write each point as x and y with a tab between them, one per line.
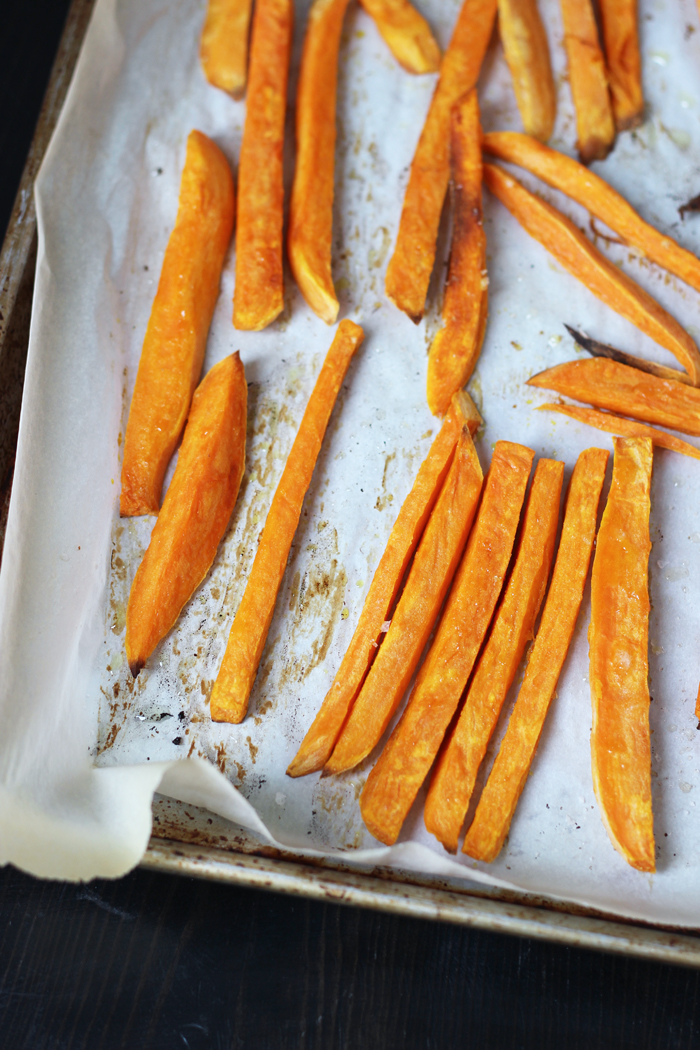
619	661
410	267
499	798
394	782
176	336
408	528
229	698
574	251
621	36
589	81
407	34
623	427
259	290
430	576
223	49
456	347
596	349
618	388
584	186
195	511
311	205
527	54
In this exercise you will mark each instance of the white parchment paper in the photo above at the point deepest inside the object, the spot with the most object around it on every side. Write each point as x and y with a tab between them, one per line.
82	748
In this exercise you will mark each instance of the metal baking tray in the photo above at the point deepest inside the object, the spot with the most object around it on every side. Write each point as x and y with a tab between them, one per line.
190	841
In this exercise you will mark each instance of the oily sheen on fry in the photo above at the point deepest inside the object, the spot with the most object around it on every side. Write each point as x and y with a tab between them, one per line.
621	38
589	81
223	49
406	33
527	54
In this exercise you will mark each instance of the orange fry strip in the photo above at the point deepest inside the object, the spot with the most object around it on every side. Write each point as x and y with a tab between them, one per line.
621	36
566	174
229	698
589	81
318	744
259	291
404	764
623	427
504	786
176	336
410	267
311	205
195	512
574	251
527	54
223	49
406	33
428	581
619	660
456	347
619	388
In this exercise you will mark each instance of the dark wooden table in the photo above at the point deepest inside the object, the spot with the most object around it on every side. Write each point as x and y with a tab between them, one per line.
154	961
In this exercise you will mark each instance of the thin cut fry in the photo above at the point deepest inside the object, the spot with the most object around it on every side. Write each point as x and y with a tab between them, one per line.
499	798
259	290
619	660
527	54
574	251
623	427
176	336
566	174
398	775
311	206
318	744
456	347
618	388
229	698
195	511
697	706
621	36
428	581
596	349
410	267
589	81
406	33
223	48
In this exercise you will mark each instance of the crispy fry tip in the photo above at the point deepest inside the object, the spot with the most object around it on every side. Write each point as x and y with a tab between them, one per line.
135	666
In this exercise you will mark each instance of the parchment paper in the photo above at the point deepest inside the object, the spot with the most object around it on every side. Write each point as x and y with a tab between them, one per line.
82	749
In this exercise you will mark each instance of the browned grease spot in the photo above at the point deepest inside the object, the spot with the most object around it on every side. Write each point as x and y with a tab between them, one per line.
110	739
221	757
252	748
385	498
115	689
319	605
192	747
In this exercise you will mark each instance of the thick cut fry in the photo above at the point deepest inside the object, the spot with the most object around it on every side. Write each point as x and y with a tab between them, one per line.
398	775
408	528
574	251
623	427
229	698
428	581
176	336
619	660
259	291
589	81
223	48
456	347
410	267
499	798
407	34
608	384
527	54
195	511
311	206
621	36
566	174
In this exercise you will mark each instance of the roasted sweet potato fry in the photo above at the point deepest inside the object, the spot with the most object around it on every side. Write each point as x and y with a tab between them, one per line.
223	48
407	34
527	54
623	427
408	528
619	661
430	576
410	267
311	206
504	786
456	347
176	336
589	81
621	37
596	349
195	511
259	291
229	698
574	251
397	777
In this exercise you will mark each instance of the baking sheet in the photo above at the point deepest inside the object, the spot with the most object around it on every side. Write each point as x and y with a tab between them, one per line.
81	752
